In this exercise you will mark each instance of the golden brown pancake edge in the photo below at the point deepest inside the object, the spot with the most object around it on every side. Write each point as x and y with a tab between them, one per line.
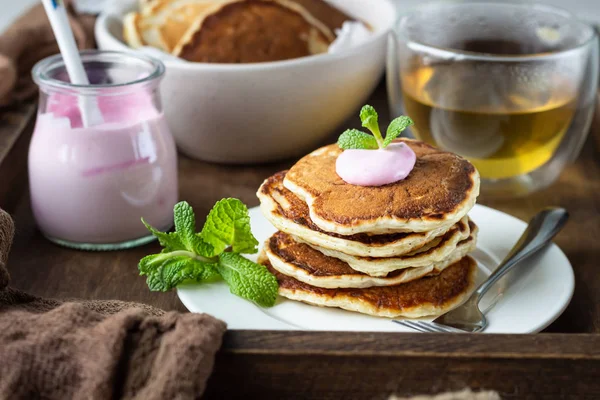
310	259
422	297
299	214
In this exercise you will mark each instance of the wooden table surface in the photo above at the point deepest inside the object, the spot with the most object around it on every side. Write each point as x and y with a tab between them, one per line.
42	268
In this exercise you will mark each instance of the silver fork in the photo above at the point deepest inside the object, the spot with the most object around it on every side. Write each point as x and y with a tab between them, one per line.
468	318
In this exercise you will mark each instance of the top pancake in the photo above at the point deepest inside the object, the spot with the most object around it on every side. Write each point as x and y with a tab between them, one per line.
439	191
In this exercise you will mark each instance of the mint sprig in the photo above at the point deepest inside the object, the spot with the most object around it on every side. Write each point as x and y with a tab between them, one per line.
212	254
355	139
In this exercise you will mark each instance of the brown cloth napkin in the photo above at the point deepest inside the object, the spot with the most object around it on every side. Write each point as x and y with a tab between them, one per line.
50	349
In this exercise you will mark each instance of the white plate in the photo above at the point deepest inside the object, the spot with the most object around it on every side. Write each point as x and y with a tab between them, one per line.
525	301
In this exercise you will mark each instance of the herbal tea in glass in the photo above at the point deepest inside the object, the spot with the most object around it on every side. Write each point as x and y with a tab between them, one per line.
500	84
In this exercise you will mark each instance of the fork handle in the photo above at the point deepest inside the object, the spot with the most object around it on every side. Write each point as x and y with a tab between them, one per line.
540	231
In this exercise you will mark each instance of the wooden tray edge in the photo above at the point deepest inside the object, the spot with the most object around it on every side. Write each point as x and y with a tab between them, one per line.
540	346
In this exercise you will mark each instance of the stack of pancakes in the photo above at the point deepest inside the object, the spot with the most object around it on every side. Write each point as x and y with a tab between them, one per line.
394	250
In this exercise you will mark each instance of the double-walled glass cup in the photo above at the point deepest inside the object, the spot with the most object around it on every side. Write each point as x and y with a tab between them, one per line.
511	87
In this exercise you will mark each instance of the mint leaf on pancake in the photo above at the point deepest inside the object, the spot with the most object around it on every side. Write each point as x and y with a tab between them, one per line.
396	128
370	120
248	280
355	139
369	117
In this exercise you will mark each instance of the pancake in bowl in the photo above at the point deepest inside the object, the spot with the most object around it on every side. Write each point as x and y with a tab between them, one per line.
167	21
250	31
132	26
162	23
438	192
432	295
144	4
290	214
306	264
455	244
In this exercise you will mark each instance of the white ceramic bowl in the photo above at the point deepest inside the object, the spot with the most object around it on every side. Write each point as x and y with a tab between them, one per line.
248	113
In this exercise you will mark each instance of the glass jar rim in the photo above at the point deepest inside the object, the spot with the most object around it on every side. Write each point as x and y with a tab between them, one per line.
480	56
41	68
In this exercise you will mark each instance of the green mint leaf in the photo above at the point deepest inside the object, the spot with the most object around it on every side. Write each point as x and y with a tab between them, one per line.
165	271
150	264
396	128
355	139
202	248
185	224
228	224
154	283
170	241
185	227
369	117
247	279
178	270
370	120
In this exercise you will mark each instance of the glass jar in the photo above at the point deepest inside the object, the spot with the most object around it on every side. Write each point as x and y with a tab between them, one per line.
510	86
91	183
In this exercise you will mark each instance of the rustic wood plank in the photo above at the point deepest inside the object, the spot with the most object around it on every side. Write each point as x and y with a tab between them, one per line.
373	344
324	365
366	377
16	125
13	121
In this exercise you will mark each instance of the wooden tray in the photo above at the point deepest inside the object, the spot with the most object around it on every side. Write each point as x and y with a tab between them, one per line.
563	362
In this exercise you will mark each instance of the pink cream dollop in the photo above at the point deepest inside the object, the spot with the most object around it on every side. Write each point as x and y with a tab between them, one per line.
376	167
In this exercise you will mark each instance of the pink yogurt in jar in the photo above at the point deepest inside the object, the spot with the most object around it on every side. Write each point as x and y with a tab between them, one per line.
90	186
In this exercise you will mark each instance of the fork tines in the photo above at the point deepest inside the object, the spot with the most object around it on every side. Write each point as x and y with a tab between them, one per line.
423	326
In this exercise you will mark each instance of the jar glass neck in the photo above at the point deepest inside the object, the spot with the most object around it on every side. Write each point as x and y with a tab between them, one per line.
49	89
109	74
